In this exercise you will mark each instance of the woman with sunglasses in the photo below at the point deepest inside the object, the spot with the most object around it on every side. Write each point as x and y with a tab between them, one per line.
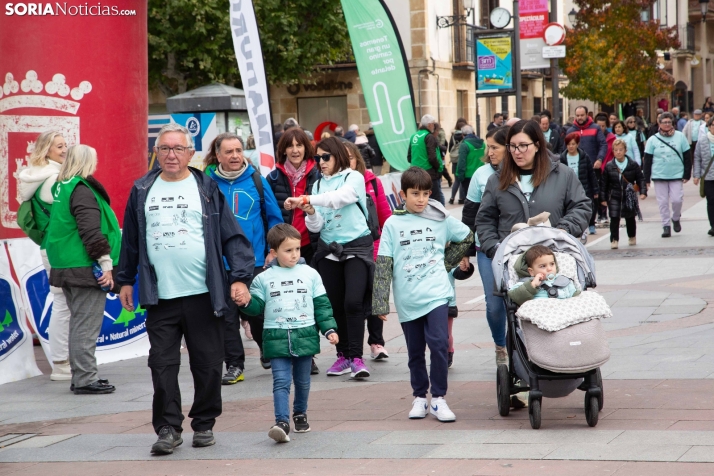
337	209
529	183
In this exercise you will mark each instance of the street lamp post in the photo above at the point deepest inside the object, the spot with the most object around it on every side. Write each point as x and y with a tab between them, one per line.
572	16
704	6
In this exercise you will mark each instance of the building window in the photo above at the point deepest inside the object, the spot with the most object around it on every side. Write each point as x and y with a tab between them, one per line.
462	104
313	111
504	105
485	9
537	105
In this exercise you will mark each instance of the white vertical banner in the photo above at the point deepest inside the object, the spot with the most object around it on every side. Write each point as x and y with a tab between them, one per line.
249	54
123	334
17	358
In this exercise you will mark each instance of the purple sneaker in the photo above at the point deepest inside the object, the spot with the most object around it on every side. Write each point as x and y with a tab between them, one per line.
340	367
359	370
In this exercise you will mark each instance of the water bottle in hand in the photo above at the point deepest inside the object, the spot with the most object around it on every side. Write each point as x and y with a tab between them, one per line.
98	273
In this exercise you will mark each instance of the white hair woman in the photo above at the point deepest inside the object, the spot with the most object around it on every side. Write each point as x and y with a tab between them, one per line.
83	234
34	183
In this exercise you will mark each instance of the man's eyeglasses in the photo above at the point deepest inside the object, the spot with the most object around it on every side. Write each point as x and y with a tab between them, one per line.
178	150
323	157
520	147
666	123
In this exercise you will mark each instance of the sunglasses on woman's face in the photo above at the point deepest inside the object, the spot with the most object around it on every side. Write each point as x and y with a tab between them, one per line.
323	157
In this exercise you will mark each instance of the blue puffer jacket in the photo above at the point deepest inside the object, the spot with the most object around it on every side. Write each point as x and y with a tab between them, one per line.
244	201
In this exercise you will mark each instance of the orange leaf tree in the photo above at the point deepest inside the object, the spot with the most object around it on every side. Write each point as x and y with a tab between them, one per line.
611	52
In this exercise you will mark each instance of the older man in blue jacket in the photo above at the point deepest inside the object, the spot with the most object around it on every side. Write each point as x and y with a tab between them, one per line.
256	210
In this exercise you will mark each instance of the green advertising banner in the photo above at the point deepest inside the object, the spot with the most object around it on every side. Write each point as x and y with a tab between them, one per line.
384	74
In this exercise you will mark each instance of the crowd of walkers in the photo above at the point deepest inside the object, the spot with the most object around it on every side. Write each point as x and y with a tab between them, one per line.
315	246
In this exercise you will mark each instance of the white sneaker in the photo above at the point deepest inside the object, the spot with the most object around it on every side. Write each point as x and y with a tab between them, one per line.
61	372
419	408
441	410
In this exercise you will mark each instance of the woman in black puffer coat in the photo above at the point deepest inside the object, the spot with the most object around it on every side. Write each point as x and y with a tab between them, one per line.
618	173
583	169
295	173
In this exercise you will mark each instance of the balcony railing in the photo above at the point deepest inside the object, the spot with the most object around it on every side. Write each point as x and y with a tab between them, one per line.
686	37
464	52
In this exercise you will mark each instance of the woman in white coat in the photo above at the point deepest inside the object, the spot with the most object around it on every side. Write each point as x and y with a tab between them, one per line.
36	180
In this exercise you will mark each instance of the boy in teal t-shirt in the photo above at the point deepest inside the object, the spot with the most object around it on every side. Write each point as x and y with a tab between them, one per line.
415	257
293	299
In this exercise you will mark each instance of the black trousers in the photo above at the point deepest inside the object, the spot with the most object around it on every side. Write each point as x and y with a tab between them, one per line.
346	285
375	327
709	194
431	329
630	223
190	317
235	353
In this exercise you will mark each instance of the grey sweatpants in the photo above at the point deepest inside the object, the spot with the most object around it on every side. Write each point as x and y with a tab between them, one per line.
86	308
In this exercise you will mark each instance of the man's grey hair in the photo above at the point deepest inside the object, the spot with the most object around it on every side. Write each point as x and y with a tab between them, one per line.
289	123
466	130
427	119
354	127
675	109
174	127
339	131
665	115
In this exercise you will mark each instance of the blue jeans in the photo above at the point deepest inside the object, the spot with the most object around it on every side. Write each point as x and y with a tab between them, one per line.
430	330
282	368
436	192
495	307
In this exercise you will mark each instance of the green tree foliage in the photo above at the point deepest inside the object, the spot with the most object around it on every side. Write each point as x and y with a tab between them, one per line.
190	41
611	52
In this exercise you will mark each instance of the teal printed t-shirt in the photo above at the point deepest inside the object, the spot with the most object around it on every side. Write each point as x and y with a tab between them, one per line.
288	295
666	163
174	237
452	281
547	135
477	186
526	186
621	165
574	162
416	245
348	223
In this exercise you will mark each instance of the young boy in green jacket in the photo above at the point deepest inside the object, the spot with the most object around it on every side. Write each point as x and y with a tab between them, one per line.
293	299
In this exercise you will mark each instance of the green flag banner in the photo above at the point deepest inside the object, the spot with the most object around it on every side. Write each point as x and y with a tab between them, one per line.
384	74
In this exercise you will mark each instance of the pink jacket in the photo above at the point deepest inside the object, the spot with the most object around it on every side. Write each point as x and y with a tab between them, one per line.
380	200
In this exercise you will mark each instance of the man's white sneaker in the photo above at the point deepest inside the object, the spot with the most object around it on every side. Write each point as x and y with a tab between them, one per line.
419	408
441	410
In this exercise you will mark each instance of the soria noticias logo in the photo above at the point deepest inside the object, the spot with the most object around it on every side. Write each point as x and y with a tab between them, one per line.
62	8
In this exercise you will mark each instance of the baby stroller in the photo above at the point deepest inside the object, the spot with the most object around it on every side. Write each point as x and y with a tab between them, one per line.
566	348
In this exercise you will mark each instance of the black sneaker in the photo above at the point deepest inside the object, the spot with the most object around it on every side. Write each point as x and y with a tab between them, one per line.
103	381
301	424
96	388
676	226
711	232
169	439
450	359
667	232
279	432
313	368
264	362
203	438
233	375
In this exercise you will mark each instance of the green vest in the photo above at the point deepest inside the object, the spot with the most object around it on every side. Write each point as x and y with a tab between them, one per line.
418	151
64	246
474	160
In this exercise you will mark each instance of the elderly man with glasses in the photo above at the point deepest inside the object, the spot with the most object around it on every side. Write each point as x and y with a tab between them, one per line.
178	230
668	163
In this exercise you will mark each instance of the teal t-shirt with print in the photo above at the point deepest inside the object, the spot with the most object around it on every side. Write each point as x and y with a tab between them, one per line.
348	223
477	186
174	237
546	134
621	165
666	163
574	162
288	295
416	245
525	184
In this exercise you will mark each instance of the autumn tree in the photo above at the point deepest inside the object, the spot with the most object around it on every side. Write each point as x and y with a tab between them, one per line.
190	41
612	53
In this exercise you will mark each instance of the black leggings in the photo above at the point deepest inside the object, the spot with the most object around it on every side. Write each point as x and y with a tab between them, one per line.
346	285
630	223
709	193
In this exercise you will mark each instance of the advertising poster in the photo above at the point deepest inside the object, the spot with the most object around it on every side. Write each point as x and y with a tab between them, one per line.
533	16
494	63
385	77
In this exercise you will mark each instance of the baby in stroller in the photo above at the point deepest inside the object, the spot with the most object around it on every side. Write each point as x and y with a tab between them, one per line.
544	282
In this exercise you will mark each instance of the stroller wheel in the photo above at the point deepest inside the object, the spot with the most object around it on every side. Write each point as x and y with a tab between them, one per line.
534	413
503	387
591	410
598	380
